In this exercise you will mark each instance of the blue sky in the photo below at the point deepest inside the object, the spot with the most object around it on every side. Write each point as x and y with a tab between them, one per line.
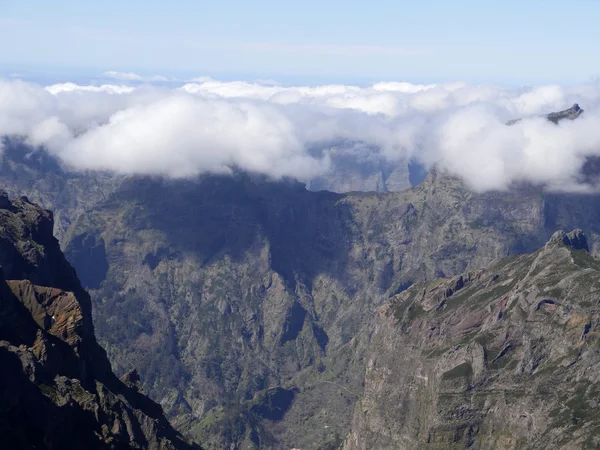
419	41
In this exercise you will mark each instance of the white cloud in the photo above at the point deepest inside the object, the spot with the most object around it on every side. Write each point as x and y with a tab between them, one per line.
202	79
182	136
130	76
123	76
403	87
134	77
212	126
72	87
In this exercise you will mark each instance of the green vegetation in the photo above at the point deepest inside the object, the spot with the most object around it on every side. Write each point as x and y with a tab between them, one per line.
223	427
414	311
584	260
50	392
464	370
576	410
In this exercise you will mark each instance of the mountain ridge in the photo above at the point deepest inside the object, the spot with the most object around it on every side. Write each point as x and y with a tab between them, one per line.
238	296
502	357
56	383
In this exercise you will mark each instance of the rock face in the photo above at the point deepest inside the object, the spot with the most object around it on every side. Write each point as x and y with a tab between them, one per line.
226	288
355	167
570	114
56	386
33	172
238	286
500	358
241	300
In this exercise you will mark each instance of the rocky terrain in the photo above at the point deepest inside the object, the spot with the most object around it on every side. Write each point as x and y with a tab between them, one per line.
499	358
356	167
56	384
35	173
571	113
242	301
224	289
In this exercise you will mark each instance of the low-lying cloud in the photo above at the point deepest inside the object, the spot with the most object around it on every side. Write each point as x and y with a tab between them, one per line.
212	126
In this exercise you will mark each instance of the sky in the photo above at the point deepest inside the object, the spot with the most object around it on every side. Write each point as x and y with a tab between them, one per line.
312	41
290	89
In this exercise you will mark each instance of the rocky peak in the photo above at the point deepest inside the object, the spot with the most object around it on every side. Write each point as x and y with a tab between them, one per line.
57	389
572	113
575	239
4	201
132	379
509	361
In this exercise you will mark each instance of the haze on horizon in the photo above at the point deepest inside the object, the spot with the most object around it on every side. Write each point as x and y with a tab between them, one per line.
345	41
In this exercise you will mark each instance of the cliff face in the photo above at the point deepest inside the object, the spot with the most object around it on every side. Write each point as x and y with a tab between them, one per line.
33	172
56	386
500	358
236	286
241	300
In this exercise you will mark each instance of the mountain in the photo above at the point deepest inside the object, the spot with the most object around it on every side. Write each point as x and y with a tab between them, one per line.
358	167
504	357
56	383
226	288
243	301
571	113
33	172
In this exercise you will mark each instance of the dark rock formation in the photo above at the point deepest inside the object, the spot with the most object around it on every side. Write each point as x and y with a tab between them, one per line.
570	114
222	289
56	386
510	362
575	239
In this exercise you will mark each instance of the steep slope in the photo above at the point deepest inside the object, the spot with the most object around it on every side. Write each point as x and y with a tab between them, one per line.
224	290
56	386
221	289
357	167
571	113
505	357
25	170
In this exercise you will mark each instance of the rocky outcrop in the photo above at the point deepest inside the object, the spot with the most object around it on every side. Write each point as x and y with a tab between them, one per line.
510	361
575	239
56	386
223	288
34	172
240	285
570	114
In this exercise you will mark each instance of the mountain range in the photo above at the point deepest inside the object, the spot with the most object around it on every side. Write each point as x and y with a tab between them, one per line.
260	314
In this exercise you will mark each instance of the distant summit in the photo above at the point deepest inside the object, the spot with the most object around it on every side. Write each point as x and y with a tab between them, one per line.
572	113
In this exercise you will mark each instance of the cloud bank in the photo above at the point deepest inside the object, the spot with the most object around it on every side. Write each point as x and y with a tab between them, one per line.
212	126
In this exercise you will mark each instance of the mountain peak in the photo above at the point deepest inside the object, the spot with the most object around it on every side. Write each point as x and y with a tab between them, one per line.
572	113
575	239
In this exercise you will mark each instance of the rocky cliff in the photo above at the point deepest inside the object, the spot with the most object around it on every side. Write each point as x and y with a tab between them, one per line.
242	300
500	358
571	113
223	290
56	385
236	286
31	171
